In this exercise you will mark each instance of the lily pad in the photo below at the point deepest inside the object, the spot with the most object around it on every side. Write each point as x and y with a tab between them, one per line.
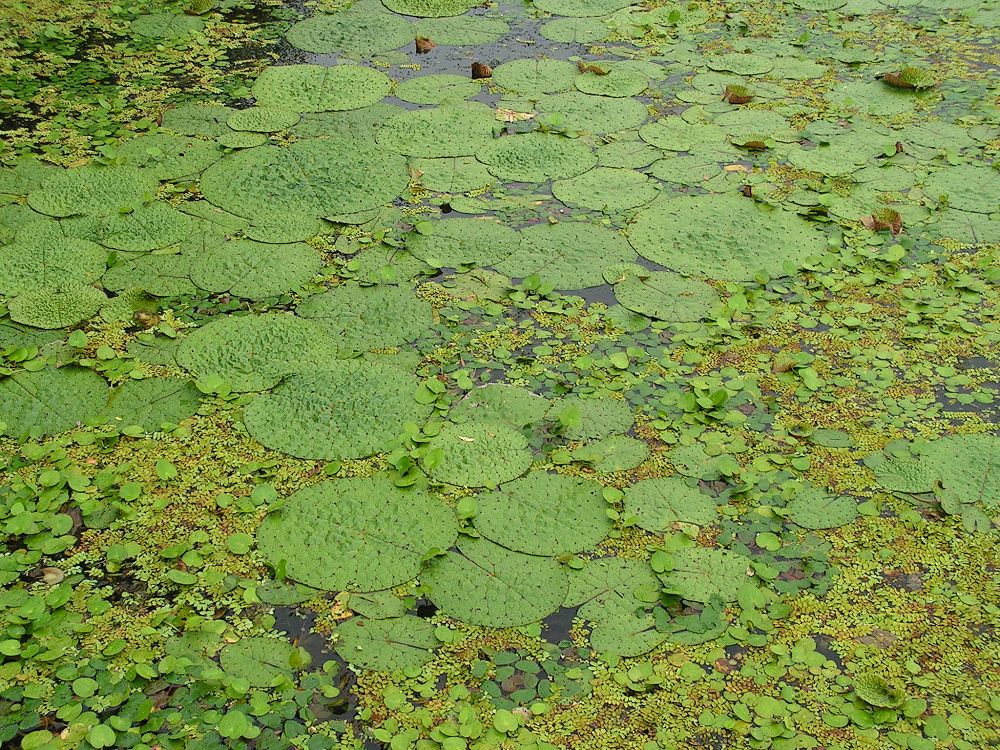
263	119
477	454
356	32
482	583
50	401
591	418
450	130
666	296
456	174
386	645
544	514
723	236
170	157
56	307
255	270
576	111
618	453
453	243
195	118
347	409
356	534
429	8
701	574
254	352
570	255
316	177
462	30
146	228
153	402
815	508
498	401
582	8
659	504
47	258
605	591
93	191
967	187
434	89
158	275
366	318
536	157
314	88
606	189
533	78
258	660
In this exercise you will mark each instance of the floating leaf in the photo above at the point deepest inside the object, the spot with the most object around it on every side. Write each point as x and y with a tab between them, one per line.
815	508
153	402
456	129
477	454
255	270
57	307
314	88
258	660
660	504
355	534
51	400
666	296
701	574
544	514
356	32
482	583
386	645
500	402
347	409
453	243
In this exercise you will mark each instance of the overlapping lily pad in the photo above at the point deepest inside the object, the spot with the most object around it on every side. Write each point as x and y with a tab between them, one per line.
434	89
56	307
386	645
93	191
499	401
362	319
429	8
482	583
659	504
355	534
450	130
666	296
702	574
606	189
570	255
153	402
723	236
544	514
533	78
346	409
479	453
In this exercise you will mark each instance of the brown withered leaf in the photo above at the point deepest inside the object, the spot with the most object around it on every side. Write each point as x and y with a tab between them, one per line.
736	95
511	115
882	219
424	45
585	68
481	70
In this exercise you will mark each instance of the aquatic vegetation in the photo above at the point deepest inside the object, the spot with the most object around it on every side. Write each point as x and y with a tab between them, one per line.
632	387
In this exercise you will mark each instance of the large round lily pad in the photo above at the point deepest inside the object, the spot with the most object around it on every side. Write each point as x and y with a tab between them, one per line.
434	89
387	644
146	228
815	508
46	258
660	503
93	190
456	174
666	296
482	583
477	454
258	660
583	418
366	318
355	534
347	409
533	78
317	177
536	157
968	187
499	401
723	236
56	307
314	88
51	400
253	352
429	8
571	255
582	8
606	189
452	243
451	130
362	33
577	111
544	514
254	270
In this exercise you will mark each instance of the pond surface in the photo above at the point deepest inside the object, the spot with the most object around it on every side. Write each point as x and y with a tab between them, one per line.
566	374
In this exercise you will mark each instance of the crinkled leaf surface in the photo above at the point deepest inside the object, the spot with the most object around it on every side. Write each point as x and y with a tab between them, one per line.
258	660
666	296
51	400
536	157
388	644
313	88
452	243
478	453
346	409
701	574
482	583
56	307
455	129
544	514
506	403
255	270
92	190
362	534
660	503
153	402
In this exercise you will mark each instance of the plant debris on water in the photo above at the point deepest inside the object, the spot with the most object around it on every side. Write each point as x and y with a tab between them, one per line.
542	375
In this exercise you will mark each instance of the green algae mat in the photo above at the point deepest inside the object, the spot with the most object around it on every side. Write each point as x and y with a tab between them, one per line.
543	375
